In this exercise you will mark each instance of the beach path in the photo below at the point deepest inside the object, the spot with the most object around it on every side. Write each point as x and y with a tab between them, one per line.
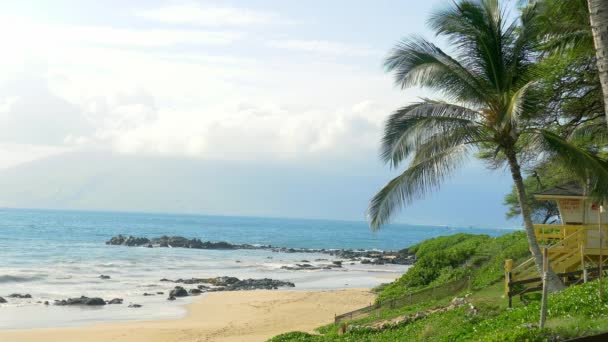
219	316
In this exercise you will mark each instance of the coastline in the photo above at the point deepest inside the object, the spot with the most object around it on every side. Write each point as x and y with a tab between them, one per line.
219	316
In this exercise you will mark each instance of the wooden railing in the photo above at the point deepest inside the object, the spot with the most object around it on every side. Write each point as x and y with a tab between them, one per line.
568	247
433	293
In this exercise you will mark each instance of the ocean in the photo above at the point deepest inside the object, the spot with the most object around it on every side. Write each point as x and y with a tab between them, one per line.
54	254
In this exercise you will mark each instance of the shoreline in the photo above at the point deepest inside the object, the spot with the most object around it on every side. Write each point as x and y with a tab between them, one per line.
218	316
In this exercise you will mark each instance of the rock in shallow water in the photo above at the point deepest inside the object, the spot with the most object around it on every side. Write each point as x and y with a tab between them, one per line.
135	305
2	300
228	284
18	295
178	291
115	301
81	301
195	292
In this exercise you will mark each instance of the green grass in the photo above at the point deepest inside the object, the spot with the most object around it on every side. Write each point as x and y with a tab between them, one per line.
447	258
576	311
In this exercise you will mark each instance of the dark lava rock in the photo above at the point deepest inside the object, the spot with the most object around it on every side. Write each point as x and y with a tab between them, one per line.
19	295
148	294
258	284
2	300
135	305
115	301
178	291
175	241
171	298
104	276
160	292
195	292
224	281
128	241
165	279
337	263
402	257
81	301
309	267
194	281
46	302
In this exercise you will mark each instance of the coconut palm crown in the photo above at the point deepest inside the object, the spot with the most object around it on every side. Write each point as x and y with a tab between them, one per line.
487	96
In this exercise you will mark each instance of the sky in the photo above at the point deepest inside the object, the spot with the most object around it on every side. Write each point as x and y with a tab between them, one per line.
262	108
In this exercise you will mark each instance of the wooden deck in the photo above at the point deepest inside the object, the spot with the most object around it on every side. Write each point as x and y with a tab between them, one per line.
570	248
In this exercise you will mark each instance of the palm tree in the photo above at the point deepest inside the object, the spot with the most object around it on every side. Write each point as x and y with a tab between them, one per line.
488	94
598	16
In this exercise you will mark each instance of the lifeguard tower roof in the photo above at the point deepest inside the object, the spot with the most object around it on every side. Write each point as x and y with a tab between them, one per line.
568	190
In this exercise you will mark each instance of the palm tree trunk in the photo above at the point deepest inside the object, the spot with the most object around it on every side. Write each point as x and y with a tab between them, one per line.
553	282
598	15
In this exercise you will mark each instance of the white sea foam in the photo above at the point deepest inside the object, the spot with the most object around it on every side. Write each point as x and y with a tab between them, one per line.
134	271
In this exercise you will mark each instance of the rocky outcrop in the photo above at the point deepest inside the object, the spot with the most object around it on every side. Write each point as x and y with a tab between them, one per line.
19	295
2	300
309	267
402	257
81	301
128	241
225	284
172	241
195	292
115	301
178	291
258	284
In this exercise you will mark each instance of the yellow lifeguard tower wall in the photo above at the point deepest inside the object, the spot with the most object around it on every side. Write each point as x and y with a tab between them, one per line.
572	245
578	211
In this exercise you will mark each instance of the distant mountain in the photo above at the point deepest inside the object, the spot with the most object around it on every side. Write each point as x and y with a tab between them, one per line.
305	189
115	182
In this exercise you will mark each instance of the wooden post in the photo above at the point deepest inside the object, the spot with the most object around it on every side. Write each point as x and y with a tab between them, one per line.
543	306
601	268
583	265
508	270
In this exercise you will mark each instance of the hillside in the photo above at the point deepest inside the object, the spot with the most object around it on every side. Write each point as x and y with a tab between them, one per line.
478	314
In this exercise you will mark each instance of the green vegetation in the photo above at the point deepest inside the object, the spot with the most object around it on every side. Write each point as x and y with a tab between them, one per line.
575	311
492	102
447	258
527	94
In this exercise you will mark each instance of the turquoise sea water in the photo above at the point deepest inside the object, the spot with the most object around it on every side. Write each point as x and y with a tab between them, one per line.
59	254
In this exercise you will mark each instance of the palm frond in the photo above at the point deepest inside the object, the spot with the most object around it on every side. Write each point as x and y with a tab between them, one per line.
585	165
518	103
422	176
417	62
411	126
477	29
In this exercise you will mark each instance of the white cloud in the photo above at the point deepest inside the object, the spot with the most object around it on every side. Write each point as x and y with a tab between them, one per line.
209	16
136	91
323	47
28	35
247	132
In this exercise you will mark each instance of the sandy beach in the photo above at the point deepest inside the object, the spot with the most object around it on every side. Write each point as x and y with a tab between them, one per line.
228	316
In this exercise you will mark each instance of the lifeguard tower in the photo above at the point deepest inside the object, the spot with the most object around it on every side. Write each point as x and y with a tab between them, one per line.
573	247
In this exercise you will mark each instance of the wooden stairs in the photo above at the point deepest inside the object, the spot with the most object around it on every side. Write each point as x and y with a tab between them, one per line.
573	252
